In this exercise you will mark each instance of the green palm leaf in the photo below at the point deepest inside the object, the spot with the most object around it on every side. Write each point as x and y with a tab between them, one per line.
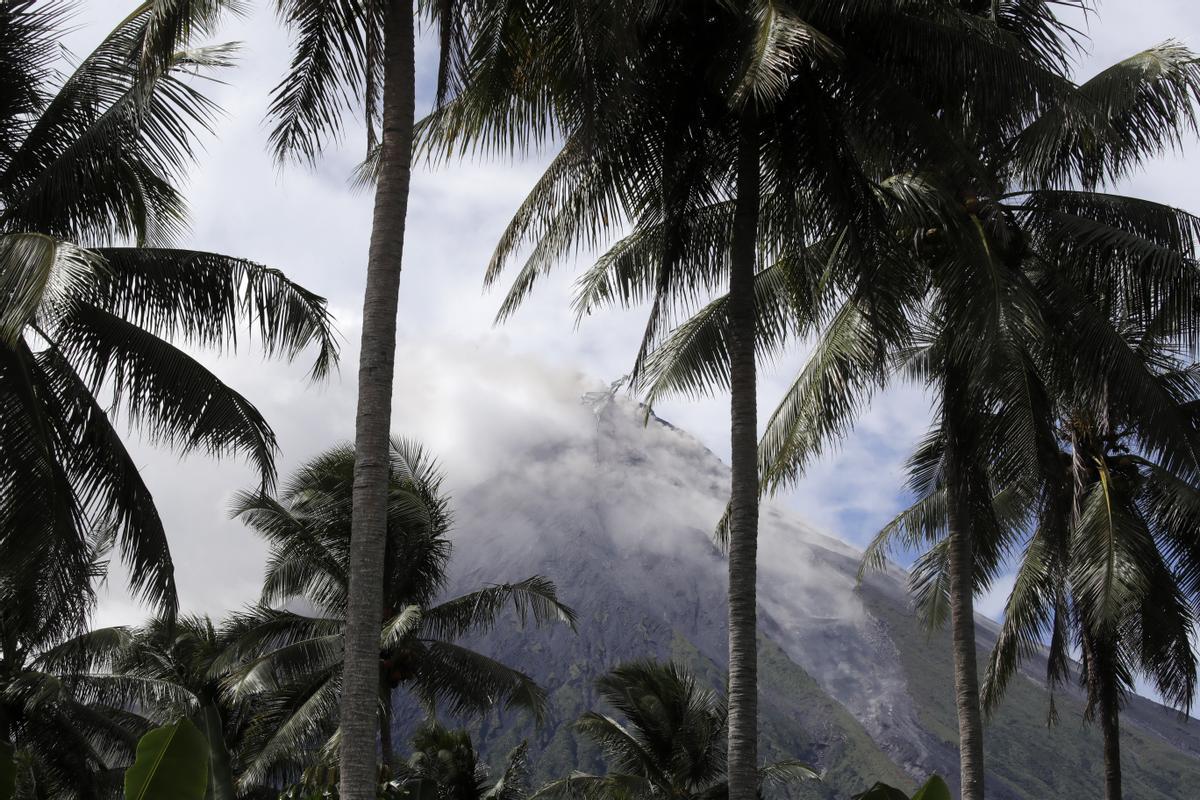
326	75
205	298
41	280
166	392
478	611
1132	111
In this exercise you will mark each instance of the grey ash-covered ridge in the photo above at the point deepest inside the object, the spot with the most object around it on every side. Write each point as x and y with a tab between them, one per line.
618	509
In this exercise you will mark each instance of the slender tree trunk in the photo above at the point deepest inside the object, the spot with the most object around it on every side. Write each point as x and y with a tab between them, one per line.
1103	693
6	736
385	732
743	521
360	683
962	593
966	670
1110	725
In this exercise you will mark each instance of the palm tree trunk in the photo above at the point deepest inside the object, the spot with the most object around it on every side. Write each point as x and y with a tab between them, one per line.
744	490
966	670
1104	697
385	732
1110	724
360	686
1102	682
962	591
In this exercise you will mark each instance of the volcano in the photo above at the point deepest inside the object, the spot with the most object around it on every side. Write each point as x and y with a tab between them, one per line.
618	507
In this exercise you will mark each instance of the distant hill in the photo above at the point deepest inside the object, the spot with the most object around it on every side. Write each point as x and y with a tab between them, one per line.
618	509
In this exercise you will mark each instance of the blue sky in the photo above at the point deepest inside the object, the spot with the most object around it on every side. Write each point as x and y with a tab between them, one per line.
308	222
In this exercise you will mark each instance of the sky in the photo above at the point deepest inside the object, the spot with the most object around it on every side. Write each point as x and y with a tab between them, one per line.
453	363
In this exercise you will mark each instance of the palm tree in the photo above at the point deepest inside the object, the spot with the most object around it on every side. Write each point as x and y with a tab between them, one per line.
295	668
89	328
444	765
448	763
163	671
347	54
972	305
702	126
669	744
65	746
1111	565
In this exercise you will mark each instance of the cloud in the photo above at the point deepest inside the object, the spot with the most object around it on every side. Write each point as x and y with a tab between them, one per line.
477	405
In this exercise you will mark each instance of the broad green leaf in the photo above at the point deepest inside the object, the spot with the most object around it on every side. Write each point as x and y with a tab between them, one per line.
934	789
881	791
220	772
8	771
171	764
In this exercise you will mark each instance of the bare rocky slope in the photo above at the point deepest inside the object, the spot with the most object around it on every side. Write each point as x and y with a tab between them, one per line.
618	509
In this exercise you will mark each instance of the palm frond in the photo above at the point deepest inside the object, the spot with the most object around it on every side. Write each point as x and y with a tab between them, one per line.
44	536
1161	632
783	773
166	392
580	786
41	280
326	77
627	273
1108	545
203	298
99	160
1172	506
400	627
622	748
513	783
109	483
693	359
94	650
535	597
290	725
303	562
287	664
29	52
847	365
921	524
574	204
782	42
929	584
260	631
467	683
1029	614
1131	112
169	26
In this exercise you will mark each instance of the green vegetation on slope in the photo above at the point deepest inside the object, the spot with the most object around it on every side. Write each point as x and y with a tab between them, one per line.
799	720
799	716
1025	757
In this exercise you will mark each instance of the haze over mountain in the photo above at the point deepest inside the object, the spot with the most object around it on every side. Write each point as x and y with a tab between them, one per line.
618	508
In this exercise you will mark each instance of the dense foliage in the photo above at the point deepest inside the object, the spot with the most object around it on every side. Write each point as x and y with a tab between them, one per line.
91	328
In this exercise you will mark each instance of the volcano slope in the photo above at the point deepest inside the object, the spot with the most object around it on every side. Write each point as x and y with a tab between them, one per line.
618	508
